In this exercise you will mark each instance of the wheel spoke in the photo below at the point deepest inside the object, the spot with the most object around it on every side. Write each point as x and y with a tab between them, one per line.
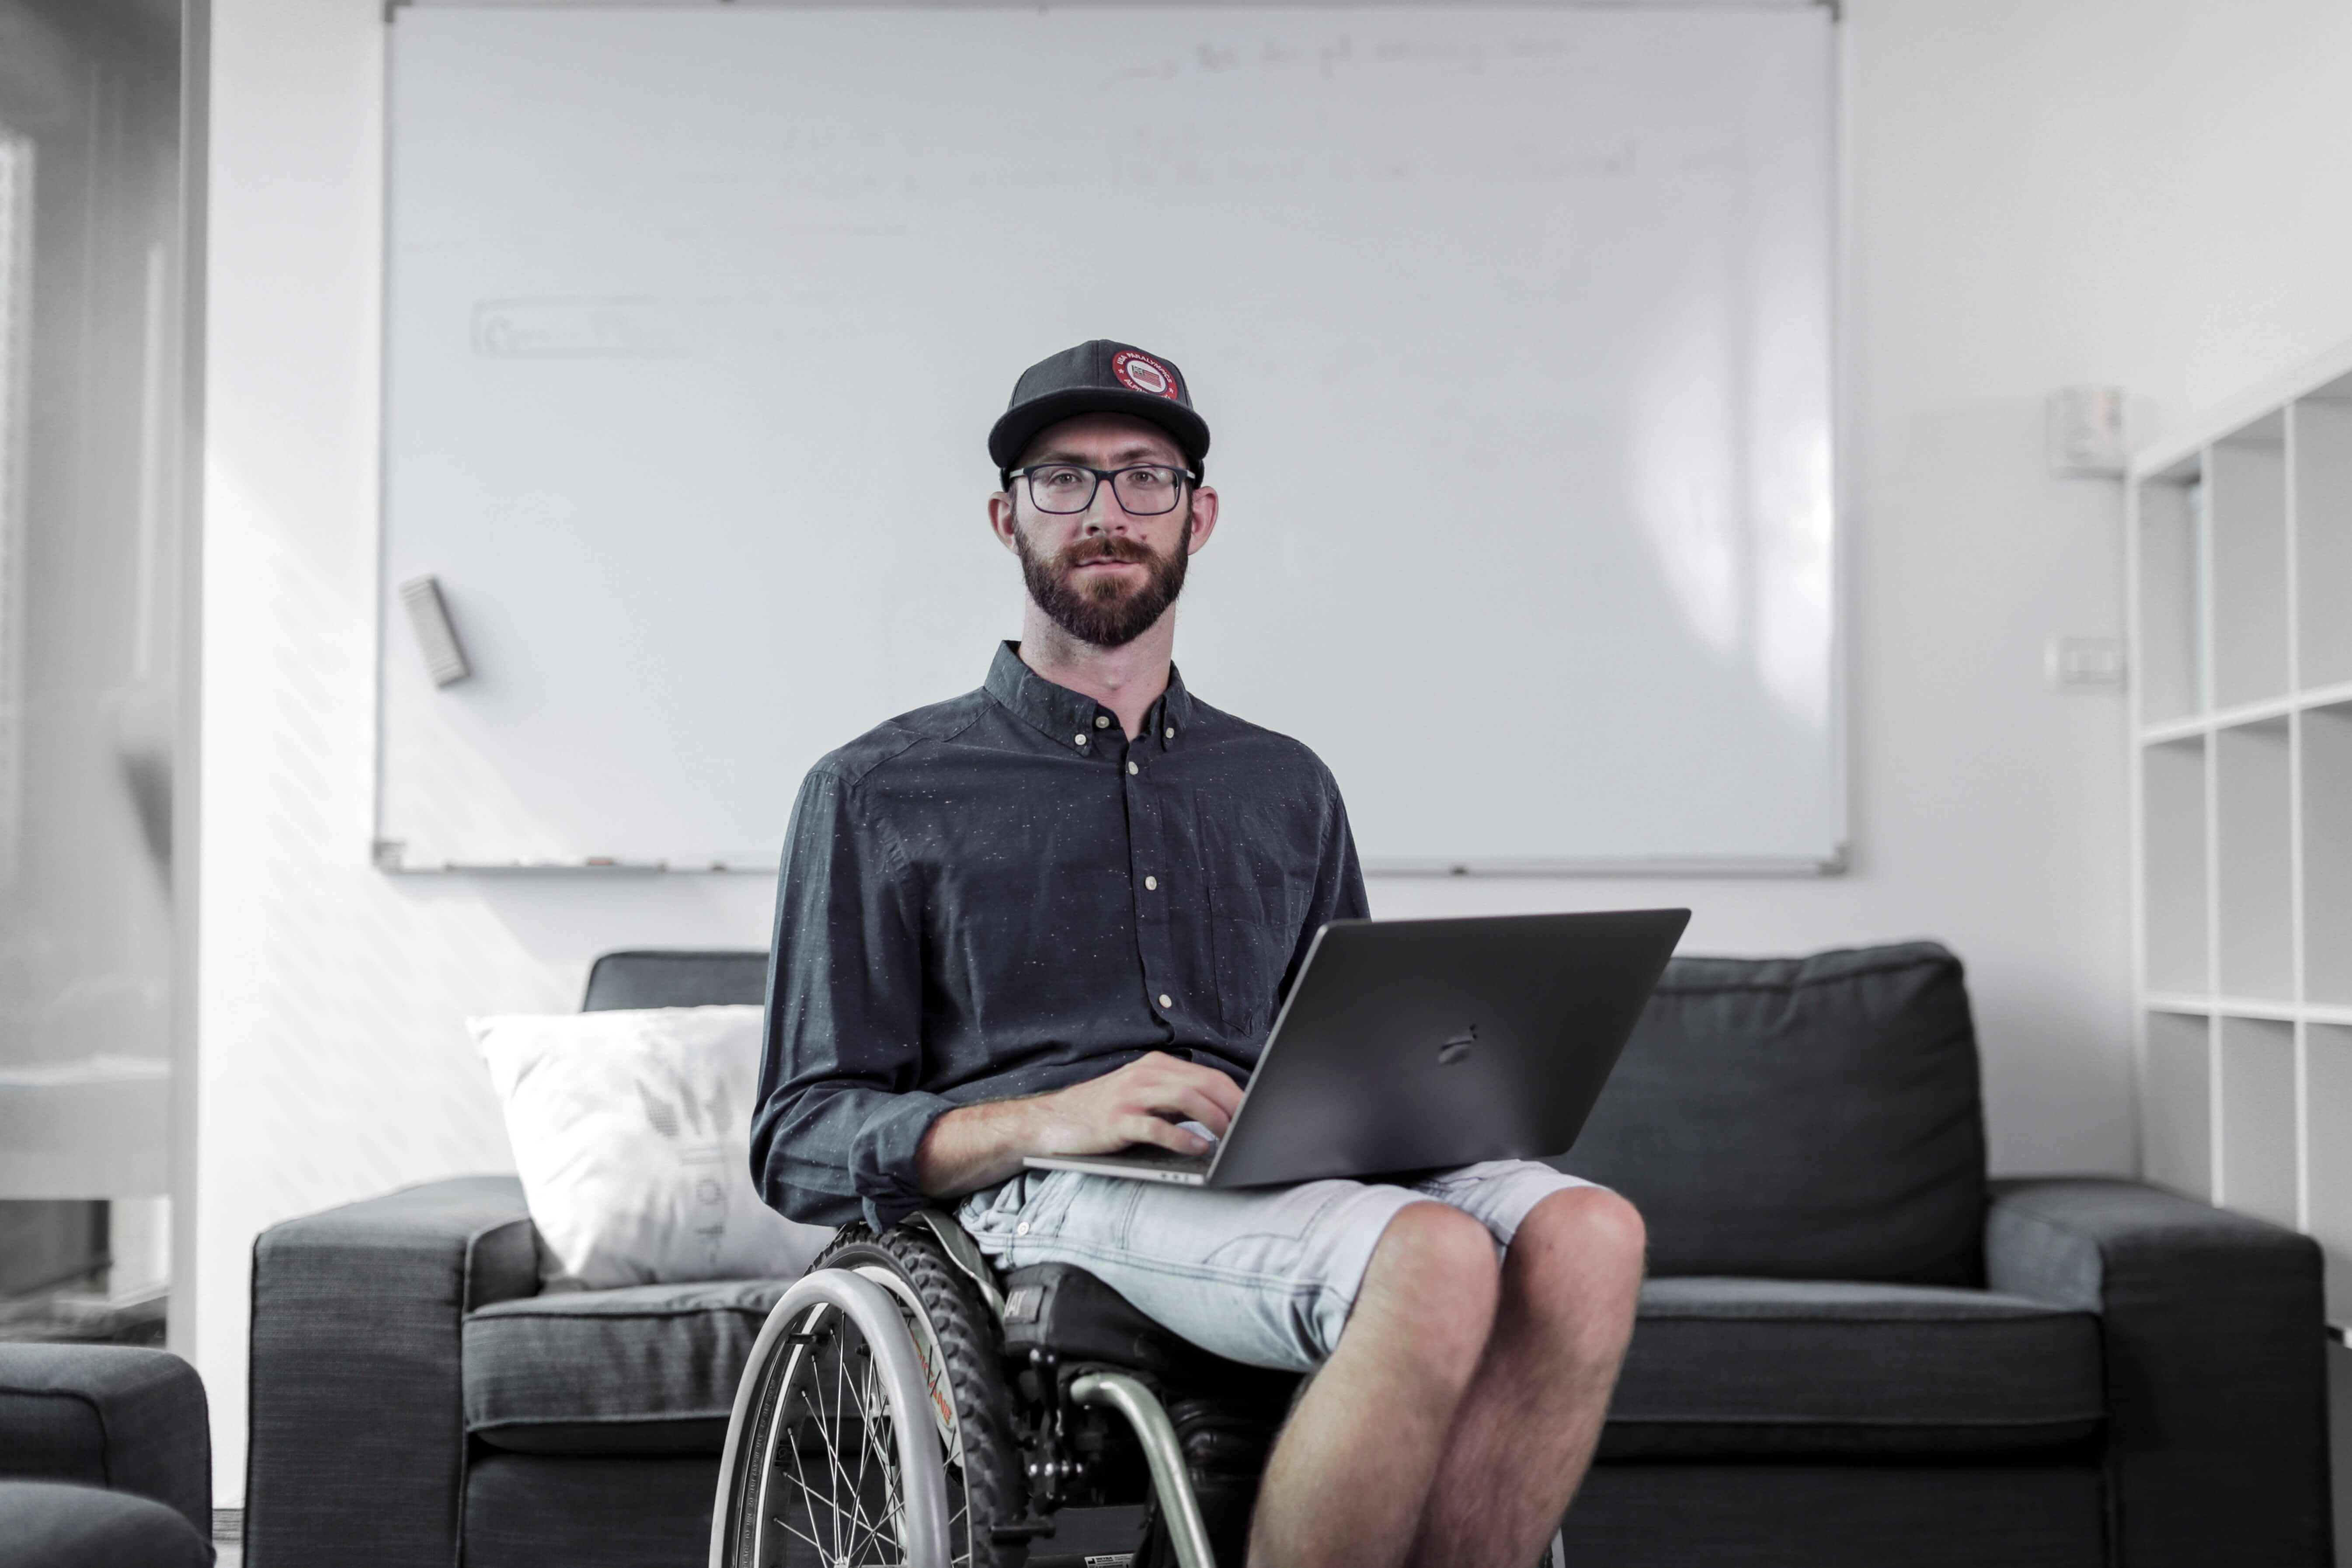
786	1525
807	1492
857	1519
865	1445
891	1514
841	1527
833	1454
767	1483
871	1529
828	1426
823	1515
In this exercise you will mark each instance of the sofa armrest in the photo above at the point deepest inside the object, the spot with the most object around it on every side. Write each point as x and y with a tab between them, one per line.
116	1416
2211	1328
358	1419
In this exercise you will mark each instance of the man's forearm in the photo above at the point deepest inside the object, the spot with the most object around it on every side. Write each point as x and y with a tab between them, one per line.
976	1146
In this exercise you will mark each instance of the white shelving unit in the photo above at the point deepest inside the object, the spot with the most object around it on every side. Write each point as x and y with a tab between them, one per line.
2240	557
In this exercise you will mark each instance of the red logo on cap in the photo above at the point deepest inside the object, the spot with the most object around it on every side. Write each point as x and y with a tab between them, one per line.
1141	373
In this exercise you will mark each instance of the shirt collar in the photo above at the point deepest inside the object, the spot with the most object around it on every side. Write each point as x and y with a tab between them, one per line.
1063	715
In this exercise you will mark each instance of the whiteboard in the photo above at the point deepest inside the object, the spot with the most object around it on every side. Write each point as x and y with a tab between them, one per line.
1512	327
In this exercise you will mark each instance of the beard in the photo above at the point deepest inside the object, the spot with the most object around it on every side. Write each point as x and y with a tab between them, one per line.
1106	612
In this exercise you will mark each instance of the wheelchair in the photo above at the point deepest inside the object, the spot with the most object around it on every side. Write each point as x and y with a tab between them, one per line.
904	1405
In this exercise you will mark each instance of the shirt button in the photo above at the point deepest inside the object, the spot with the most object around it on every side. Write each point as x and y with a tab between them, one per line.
1020	1229
1170	731
1151	884
1079	740
1133	768
1166	1001
1102	721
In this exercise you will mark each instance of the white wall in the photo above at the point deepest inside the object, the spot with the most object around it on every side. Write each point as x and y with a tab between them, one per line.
2128	190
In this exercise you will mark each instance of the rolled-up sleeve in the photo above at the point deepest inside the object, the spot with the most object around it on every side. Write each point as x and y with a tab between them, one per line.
840	1116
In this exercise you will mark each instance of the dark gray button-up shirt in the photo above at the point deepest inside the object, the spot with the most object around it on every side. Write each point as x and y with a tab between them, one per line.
1001	895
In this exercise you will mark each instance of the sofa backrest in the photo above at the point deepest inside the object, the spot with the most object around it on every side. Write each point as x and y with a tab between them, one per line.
1801	1118
675	979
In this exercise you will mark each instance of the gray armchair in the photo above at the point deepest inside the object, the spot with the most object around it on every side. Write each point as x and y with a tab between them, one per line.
105	1458
1853	1349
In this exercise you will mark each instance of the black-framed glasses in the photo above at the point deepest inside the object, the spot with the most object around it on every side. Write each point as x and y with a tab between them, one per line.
1147	489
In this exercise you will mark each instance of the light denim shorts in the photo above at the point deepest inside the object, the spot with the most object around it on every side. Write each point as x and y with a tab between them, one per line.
1265	1276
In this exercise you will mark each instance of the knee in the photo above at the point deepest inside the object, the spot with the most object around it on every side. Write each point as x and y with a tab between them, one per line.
1436	1268
1441	1241
1588	1247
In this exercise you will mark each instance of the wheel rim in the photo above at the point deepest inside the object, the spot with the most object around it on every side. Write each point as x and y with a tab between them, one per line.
827	1488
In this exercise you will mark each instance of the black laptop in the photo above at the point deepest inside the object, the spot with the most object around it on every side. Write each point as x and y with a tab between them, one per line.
1411	1046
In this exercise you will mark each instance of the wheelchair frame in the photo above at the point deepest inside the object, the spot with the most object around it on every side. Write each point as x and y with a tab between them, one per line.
921	1516
914	1505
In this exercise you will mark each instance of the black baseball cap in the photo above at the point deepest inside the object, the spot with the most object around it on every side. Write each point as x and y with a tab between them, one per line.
1099	377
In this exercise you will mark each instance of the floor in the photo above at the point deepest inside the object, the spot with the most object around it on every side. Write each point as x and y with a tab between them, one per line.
1103	1537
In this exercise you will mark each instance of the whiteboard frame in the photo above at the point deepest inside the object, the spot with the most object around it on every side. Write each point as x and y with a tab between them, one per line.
389	854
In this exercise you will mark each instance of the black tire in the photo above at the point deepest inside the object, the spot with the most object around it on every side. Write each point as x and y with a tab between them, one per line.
908	1261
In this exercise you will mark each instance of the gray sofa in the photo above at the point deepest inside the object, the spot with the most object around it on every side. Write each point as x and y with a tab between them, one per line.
1854	1350
105	1458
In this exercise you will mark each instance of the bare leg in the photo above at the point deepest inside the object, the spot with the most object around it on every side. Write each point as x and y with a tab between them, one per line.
1347	1482
1532	1415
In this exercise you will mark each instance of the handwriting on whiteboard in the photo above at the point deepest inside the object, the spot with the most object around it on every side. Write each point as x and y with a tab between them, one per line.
567	328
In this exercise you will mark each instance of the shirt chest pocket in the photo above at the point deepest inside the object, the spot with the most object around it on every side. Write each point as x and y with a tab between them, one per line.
1259	890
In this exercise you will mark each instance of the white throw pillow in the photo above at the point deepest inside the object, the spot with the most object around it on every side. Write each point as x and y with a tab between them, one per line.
631	1133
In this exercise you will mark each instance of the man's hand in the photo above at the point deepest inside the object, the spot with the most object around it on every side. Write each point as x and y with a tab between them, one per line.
1140	1103
976	1146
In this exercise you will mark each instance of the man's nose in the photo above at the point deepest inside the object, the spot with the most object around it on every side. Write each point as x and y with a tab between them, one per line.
1109	512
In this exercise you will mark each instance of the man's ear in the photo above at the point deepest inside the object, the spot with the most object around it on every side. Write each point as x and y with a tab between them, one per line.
1203	519
1002	521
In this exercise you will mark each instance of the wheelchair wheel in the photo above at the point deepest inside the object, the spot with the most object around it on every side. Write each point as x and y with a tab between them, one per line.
818	1482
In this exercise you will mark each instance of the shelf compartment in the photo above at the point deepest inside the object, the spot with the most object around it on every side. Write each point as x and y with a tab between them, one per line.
2327	1134
2176	1104
2172	847
2171	675
2327	854
2258	1119
2255	863
2245	503
2322	446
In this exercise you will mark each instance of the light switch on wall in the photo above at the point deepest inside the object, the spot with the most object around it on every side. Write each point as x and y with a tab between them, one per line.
2080	662
2084	432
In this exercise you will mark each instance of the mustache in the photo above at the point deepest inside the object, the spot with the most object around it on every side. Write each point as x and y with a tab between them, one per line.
1108	548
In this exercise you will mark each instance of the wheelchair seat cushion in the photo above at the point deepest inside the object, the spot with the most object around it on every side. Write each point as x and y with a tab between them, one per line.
643	1370
1066	1312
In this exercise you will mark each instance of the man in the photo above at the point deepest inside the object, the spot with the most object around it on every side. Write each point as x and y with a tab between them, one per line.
1055	916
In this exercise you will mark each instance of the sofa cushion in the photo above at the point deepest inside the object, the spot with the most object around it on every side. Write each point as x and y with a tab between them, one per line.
647	1369
53	1524
1803	1118
119	1416
1772	1368
1718	1368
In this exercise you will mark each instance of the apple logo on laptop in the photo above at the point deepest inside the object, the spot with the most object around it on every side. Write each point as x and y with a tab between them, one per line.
1457	1048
